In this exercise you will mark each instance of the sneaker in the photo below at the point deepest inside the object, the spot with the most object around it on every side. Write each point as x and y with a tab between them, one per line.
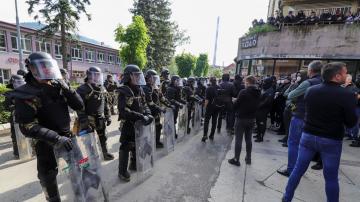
317	166
234	162
284	172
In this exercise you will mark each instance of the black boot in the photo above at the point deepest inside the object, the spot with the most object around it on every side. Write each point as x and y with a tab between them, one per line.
106	154
248	159
204	138
123	166
260	138
51	190
132	165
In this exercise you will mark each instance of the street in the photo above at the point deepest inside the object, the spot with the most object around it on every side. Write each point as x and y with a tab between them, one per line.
193	172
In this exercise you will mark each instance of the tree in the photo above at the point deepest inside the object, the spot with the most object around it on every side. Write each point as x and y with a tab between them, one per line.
59	15
133	42
173	67
186	64
216	72
165	34
202	64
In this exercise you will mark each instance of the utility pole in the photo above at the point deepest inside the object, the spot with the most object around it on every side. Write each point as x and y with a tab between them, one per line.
216	40
21	64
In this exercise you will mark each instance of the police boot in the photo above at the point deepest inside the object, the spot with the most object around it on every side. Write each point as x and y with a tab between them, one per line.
106	154
204	138
260	138
51	191
123	166
132	165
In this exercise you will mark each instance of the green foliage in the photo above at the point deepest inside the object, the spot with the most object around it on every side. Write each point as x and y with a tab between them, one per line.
58	16
133	42
4	114
173	67
185	63
215	72
202	65
165	34
261	29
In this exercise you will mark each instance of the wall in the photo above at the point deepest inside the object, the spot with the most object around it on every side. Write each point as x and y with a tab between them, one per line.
317	41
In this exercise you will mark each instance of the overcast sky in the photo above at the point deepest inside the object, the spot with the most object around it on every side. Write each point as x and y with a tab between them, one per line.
198	17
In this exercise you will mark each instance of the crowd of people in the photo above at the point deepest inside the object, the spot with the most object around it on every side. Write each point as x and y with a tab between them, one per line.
326	17
310	108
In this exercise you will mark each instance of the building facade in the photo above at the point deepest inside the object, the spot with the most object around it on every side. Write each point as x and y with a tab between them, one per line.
84	53
292	48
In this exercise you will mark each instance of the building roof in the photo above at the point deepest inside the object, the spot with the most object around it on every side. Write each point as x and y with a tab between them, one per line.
37	26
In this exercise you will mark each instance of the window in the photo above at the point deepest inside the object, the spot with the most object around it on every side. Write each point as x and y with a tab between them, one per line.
25	43
76	53
118	61
90	55
78	74
111	59
58	54
2	41
4	76
43	46
100	57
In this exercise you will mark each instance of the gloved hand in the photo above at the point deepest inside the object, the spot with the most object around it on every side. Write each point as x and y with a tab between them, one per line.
60	83
181	106
147	120
108	122
64	142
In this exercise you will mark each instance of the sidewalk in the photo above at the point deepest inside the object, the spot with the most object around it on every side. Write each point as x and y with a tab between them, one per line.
261	182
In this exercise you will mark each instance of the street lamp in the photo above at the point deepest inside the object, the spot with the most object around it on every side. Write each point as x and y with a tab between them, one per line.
21	66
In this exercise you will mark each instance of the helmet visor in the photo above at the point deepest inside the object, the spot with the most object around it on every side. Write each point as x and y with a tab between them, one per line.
18	82
95	78
156	80
46	69
180	82
138	79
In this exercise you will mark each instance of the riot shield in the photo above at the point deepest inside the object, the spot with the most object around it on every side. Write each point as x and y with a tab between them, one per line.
197	118
82	169
23	143
169	130
145	150
182	123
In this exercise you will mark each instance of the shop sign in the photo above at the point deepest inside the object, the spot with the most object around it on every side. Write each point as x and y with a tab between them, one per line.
13	60
249	41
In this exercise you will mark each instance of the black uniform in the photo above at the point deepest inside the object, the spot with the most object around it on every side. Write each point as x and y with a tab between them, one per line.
10	106
154	100
96	113
213	107
173	94
200	92
227	93
191	98
42	113
111	87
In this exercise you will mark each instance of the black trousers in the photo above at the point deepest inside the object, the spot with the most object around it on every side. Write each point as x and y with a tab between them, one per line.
287	120
213	115
261	119
243	128
13	138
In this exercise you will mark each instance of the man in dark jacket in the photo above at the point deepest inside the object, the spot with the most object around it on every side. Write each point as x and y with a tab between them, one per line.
213	106
265	105
329	109
227	93
245	108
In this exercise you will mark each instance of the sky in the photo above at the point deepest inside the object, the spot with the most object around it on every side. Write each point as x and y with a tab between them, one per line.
197	17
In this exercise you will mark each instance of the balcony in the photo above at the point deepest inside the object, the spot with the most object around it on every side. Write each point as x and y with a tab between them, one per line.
331	42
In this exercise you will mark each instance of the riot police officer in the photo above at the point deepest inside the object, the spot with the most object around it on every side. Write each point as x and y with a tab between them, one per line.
154	99
227	93
132	107
96	114
165	80
191	98
173	94
15	82
213	105
111	86
41	109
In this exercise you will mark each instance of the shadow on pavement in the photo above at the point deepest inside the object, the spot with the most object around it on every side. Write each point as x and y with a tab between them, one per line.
23	193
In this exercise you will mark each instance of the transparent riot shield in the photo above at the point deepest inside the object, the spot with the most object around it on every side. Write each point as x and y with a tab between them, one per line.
82	168
23	143
197	118
169	130
145	150
182	123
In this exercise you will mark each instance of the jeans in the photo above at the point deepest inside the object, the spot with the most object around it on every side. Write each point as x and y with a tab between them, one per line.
330	151
243	126
295	131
